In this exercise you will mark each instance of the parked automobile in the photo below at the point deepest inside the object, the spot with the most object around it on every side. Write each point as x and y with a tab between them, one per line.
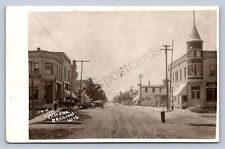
98	103
86	104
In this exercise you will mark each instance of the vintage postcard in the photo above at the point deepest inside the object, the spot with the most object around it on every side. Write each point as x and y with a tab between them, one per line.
112	74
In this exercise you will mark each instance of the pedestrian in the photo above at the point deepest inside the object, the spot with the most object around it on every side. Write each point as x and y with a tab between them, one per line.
163	111
55	105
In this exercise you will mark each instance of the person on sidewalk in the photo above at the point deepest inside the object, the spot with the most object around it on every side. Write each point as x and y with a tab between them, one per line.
55	105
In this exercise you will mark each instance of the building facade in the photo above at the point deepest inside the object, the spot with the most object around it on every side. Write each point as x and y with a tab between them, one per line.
51	77
194	76
152	95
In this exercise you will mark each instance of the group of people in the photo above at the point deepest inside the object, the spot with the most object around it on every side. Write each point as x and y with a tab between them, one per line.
71	101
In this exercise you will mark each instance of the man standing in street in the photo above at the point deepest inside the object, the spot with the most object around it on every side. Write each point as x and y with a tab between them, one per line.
163	111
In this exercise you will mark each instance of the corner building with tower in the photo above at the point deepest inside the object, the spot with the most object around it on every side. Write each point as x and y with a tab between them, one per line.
194	76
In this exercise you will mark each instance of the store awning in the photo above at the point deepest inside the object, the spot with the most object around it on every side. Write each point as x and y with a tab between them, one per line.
137	98
66	93
69	94
181	90
57	81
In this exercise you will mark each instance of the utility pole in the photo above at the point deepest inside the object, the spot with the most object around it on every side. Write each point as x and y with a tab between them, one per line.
166	48
32	87
81	71
171	73
140	76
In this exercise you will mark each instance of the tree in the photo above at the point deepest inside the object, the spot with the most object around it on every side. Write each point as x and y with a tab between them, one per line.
123	98
95	91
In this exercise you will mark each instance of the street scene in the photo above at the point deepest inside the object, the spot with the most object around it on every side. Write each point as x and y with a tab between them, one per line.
119	121
123	74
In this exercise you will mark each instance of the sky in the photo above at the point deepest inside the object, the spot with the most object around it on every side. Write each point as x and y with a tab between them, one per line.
111	40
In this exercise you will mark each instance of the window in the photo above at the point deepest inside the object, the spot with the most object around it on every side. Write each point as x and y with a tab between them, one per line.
48	68
184	72
190	70
146	89
198	68
191	54
180	74
153	90
176	75
65	72
195	70
160	89
212	71
68	75
58	71
36	68
198	54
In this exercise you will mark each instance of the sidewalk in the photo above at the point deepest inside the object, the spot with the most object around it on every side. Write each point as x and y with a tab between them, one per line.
43	116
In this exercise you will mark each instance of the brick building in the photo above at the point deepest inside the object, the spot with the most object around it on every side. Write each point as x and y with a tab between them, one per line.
194	76
51	77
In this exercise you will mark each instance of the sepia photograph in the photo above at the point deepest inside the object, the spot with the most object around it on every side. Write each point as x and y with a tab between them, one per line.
122	74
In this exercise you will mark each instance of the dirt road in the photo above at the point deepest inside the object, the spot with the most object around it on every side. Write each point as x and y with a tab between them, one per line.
118	121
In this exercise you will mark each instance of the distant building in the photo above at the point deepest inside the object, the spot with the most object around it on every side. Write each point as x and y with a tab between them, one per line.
194	76
152	95
52	76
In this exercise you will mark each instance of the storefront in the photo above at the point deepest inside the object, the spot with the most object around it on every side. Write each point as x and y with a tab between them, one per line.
211	94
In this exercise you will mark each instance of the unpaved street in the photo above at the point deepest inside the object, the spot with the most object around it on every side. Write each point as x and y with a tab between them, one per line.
118	121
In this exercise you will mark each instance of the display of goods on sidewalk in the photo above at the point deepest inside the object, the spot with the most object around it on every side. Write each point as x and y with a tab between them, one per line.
67	116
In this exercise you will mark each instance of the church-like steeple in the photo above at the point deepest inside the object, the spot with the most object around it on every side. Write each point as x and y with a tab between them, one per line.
194	33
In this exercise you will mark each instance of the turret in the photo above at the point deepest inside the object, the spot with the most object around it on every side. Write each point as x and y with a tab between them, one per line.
194	54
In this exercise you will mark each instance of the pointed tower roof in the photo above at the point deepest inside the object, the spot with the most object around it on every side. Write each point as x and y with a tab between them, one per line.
194	33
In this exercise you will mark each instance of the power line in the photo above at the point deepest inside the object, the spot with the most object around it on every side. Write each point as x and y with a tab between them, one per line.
46	30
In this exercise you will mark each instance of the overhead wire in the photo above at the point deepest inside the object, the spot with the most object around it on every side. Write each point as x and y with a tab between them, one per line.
47	32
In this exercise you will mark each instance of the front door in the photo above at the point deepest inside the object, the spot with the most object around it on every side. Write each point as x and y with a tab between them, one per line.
195	95
48	92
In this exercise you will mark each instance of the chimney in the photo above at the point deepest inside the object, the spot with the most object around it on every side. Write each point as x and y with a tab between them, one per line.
148	83
38	49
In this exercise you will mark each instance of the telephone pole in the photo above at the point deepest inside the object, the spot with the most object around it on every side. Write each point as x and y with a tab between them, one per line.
81	71
140	76
166	48
171	73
